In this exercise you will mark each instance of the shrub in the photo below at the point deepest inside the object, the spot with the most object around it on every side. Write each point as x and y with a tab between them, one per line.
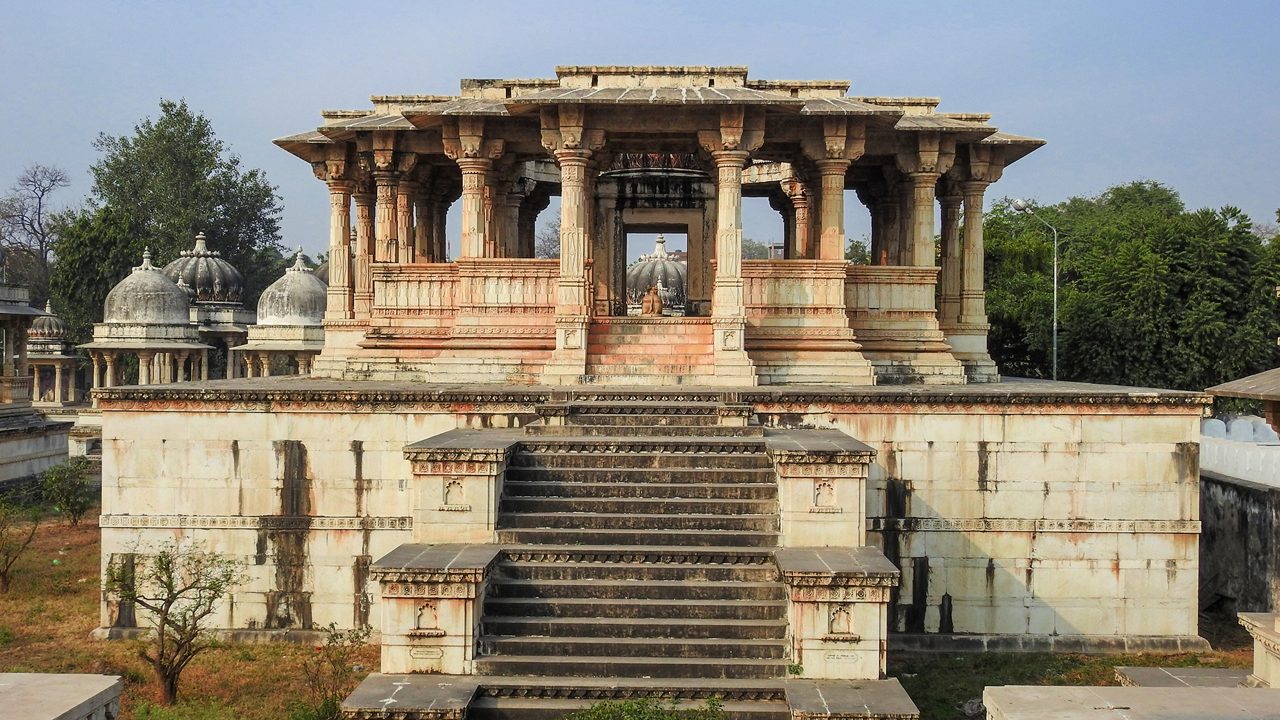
649	709
68	490
329	673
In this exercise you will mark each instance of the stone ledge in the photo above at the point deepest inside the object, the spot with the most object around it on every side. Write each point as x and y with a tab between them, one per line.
850	700
1129	703
1099	644
836	567
264	392
59	696
416	563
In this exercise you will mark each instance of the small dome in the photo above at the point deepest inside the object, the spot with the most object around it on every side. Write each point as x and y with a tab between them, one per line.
47	326
660	269
211	279
298	298
147	297
322	272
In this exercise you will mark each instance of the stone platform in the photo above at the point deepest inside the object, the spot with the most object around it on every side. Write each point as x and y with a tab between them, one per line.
1130	703
471	697
1181	677
59	696
1021	513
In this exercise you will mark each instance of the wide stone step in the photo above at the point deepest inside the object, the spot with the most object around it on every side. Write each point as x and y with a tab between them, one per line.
718	648
643	475
627	521
636	628
637	590
722	491
640	353
527	708
614	536
619	431
644	420
567	458
638	571
637	506
636	608
628	667
534	708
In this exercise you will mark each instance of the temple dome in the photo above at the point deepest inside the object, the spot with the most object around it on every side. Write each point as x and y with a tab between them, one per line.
322	271
48	326
211	279
147	297
661	269
297	298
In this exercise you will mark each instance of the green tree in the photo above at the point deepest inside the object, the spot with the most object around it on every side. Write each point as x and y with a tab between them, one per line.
858	252
95	249
173	178
67	489
179	587
1149	292
754	250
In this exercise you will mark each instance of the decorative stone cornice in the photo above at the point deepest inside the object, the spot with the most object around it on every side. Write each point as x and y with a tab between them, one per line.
1179	527
318	394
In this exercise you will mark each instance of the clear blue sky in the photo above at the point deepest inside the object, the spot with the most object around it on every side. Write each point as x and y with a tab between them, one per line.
1184	93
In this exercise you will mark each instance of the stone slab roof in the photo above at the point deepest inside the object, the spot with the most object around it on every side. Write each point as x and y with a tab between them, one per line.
388	121
461	106
658	96
1131	703
1262	386
845	106
53	696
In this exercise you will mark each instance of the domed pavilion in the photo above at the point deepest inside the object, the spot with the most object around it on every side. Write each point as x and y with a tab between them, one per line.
53	362
290	327
216	291
148	316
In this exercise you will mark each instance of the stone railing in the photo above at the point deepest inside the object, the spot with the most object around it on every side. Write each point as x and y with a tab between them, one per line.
414	290
501	285
892	308
14	294
786	298
15	391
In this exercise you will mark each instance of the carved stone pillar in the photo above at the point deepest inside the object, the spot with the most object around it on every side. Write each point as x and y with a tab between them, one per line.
96	379
204	365
474	172
922	252
21	337
144	367
949	279
572	297
406	233
439	234
726	299
423	226
801	240
9	348
340	291
386	247
973	308
57	382
110	360
363	294
831	244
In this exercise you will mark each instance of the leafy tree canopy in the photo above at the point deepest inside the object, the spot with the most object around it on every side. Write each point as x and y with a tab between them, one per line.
157	188
1150	294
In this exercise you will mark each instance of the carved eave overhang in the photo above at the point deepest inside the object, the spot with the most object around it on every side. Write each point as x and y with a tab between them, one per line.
1263	386
471	446
1015	147
962	130
310	146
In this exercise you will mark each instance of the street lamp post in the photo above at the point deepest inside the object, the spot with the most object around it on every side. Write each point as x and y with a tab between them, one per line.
1023	206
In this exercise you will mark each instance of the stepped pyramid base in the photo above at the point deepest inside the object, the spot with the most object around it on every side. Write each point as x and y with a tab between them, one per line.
470	697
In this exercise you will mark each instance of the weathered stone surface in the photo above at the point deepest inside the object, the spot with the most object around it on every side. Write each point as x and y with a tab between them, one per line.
60	696
1130	703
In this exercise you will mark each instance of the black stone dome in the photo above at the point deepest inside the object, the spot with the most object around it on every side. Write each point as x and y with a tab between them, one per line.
660	269
210	279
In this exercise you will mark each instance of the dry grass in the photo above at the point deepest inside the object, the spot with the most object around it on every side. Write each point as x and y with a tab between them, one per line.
46	618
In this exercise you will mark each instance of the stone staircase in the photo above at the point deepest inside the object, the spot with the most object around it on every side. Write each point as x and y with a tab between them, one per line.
650	351
639	548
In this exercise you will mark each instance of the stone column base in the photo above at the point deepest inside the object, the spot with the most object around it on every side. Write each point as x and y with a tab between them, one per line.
916	368
568	364
969	346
